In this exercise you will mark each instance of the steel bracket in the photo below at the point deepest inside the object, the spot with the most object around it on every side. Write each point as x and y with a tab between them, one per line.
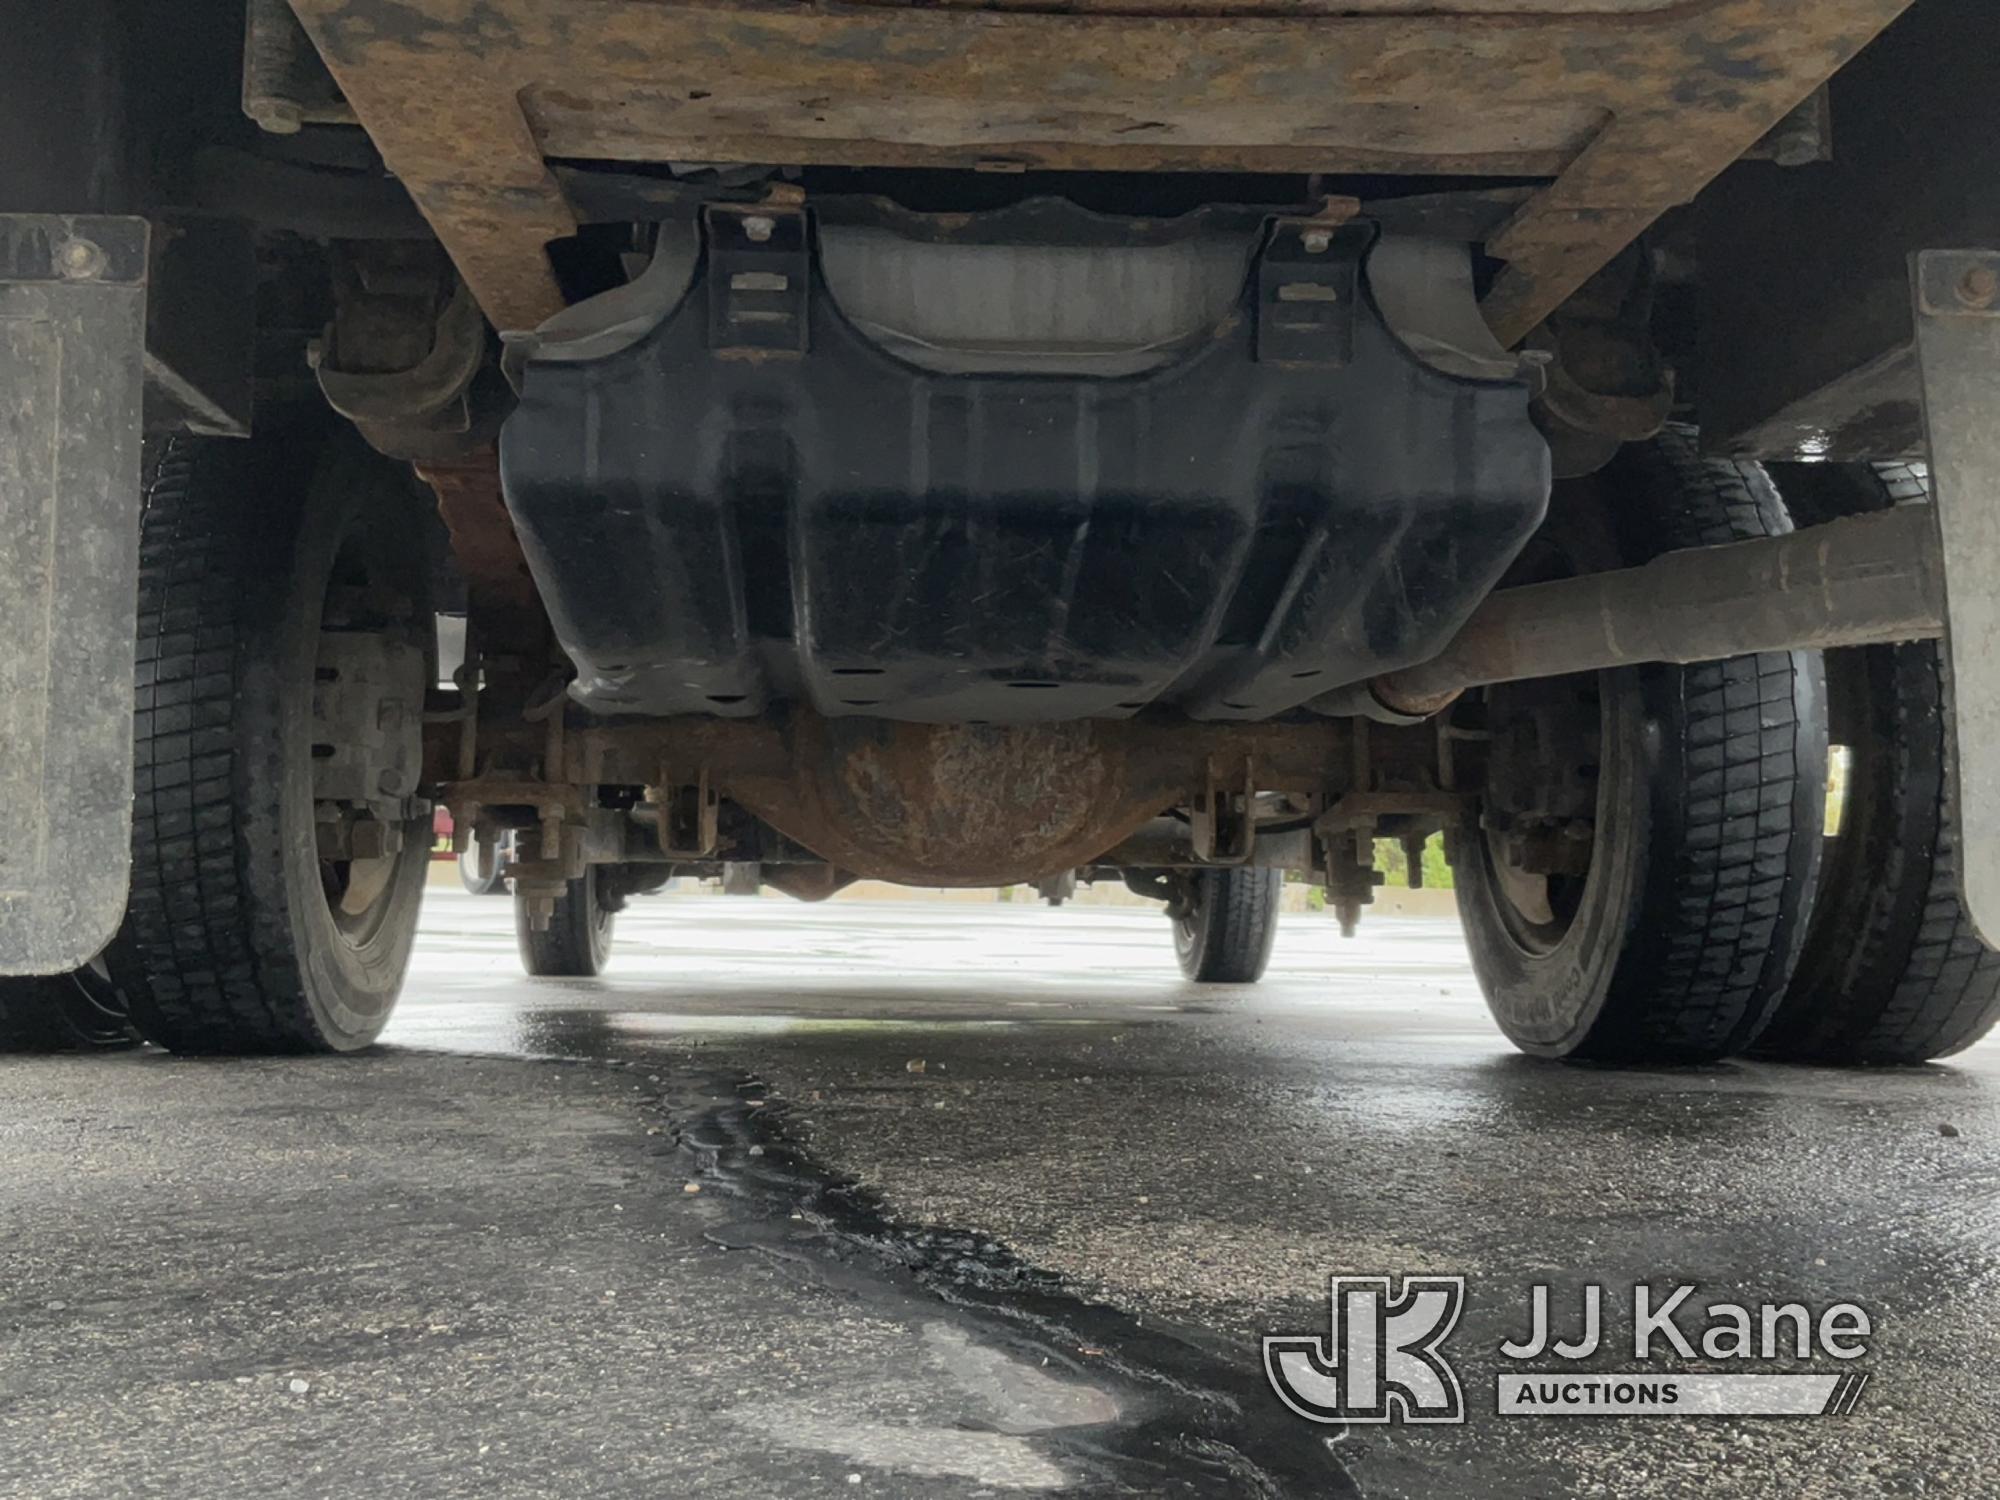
690	814
1957	294
1308	283
759	274
1222	819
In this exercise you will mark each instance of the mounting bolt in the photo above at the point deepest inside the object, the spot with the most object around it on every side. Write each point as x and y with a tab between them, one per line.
1979	287
370	838
1316	241
80	260
758	229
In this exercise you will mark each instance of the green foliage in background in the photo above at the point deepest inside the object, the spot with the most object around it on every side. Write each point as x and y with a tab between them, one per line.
1396	870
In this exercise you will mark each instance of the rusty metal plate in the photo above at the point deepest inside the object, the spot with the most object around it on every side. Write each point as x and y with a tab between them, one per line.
1632	107
72	332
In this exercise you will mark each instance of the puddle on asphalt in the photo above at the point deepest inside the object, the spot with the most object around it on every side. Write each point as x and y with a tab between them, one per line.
1057	1392
1062	1387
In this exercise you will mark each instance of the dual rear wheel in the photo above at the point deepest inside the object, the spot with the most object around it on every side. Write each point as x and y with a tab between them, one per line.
1653	880
1892	970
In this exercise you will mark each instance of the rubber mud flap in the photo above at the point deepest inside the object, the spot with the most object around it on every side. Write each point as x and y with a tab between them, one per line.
72	346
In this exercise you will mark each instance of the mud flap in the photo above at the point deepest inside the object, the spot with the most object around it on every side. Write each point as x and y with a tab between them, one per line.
1958	352
72	346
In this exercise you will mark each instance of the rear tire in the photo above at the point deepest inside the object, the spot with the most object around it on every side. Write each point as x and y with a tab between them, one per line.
1226	923
1702	837
239	937
577	942
1893	971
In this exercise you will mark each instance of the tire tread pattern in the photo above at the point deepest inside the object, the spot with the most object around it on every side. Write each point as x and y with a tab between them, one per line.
568	948
1237	921
1727	923
190	955
1878	986
1948	994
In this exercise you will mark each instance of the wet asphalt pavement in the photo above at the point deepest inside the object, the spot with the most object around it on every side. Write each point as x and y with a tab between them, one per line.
929	1200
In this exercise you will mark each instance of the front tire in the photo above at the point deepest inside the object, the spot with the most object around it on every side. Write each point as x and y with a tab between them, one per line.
1640	885
258	584
576	944
1224	924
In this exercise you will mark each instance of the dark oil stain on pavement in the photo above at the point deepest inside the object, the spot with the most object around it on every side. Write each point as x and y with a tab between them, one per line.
1197	1420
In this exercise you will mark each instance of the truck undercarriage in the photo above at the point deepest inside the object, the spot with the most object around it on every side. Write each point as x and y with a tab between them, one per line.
977	444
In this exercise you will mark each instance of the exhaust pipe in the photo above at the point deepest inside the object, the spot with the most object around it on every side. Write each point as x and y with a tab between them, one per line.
1860	581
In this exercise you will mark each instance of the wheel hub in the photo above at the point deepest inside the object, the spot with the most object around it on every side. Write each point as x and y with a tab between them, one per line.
369	679
1539	825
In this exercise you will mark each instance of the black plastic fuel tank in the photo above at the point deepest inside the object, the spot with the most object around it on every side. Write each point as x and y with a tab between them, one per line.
731	494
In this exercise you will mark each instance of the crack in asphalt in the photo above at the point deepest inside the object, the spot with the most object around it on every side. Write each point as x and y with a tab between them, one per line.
1197	1419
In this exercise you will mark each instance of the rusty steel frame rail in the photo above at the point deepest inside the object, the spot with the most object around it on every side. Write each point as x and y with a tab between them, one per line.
1632	106
1865	580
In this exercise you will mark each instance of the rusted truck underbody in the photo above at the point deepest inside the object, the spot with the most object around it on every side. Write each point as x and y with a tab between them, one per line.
970	443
